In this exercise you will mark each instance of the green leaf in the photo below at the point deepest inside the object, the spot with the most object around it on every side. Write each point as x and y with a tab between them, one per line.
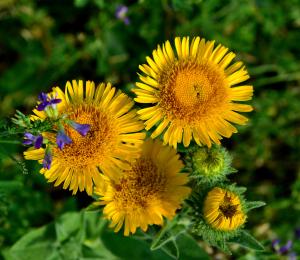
69	225
40	242
174	241
190	249
255	204
247	241
167	234
128	248
241	190
171	249
94	224
70	249
222	245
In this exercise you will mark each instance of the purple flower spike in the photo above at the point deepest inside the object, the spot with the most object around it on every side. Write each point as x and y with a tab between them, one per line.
62	139
32	139
46	101
47	159
286	248
121	14
82	129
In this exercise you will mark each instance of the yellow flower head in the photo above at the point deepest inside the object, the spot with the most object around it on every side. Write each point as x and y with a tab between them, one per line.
223	210
150	189
192	92
113	136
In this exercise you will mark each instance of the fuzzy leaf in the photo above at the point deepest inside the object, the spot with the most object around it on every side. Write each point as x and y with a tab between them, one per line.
190	249
255	204
184	246
167	234
241	189
69	225
93	224
247	241
128	248
232	170
39	242
171	249
222	245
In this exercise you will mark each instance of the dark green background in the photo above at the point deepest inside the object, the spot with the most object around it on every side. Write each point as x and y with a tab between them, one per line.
47	42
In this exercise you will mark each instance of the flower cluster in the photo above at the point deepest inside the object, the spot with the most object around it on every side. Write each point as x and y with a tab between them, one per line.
287	249
43	139
96	140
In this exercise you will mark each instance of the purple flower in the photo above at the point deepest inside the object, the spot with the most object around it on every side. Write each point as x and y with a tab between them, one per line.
62	139
32	139
47	159
281	250
284	249
297	233
121	14
46	101
81	128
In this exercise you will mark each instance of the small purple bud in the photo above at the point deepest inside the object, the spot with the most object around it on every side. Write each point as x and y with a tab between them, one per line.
82	129
28	139
46	101
62	139
31	139
29	136
126	20
121	14
297	233
121	11
43	97
286	248
47	159
55	101
38	142
27	142
42	106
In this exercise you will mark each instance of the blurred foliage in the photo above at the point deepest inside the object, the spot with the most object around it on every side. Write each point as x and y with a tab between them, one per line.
46	42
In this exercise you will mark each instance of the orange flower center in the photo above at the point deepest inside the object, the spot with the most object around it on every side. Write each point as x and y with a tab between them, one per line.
191	90
99	142
140	185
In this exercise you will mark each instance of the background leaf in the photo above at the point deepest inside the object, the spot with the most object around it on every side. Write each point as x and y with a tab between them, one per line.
246	240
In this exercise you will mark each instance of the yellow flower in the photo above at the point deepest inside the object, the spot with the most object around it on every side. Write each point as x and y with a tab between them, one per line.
223	210
192	92
113	137
150	189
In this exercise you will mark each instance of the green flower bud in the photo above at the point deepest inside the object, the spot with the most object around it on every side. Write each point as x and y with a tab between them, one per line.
210	165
